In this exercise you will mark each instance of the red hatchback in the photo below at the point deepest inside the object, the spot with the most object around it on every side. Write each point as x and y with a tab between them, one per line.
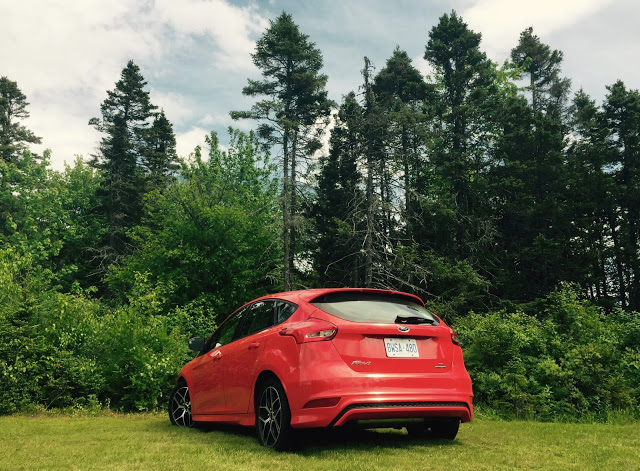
327	358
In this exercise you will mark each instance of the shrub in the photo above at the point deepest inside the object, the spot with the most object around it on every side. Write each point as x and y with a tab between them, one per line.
569	361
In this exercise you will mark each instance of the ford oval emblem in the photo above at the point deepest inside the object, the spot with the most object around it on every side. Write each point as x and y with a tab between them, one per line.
403	328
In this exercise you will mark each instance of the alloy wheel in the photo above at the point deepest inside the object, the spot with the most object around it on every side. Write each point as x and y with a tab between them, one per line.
270	416
180	407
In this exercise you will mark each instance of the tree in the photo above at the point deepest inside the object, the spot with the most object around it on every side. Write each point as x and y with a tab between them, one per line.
211	237
80	230
126	114
593	211
534	250
548	89
622	112
30	213
22	174
339	207
292	111
160	160
464	106
400	91
13	135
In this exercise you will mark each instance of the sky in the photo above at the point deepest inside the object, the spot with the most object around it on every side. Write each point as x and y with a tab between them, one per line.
195	54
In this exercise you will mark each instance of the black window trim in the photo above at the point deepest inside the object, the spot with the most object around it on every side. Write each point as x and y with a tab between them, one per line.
208	346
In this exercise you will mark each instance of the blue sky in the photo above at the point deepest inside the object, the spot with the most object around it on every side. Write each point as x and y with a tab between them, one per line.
195	54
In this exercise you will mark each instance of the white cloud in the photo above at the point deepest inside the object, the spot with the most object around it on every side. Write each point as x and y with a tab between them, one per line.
231	27
423	65
65	54
72	44
187	141
66	139
219	119
176	107
502	21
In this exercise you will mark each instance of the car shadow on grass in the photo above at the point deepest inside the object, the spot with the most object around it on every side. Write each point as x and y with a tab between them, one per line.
315	441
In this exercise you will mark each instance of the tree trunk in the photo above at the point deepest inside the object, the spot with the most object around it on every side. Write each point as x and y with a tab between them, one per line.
293	206
368	277
617	256
286	221
368	263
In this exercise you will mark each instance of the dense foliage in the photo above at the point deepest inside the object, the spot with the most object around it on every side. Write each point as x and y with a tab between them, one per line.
568	360
509	206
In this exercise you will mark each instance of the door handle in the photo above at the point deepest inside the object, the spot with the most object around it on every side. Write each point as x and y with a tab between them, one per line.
216	355
253	345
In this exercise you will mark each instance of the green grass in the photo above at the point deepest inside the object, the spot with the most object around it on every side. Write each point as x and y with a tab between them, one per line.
148	441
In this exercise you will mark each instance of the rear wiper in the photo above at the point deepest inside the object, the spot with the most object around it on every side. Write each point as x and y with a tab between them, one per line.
413	320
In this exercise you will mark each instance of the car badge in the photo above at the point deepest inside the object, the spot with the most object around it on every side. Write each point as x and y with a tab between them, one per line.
403	328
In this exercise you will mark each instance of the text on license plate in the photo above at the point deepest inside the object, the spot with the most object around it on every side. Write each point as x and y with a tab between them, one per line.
401	348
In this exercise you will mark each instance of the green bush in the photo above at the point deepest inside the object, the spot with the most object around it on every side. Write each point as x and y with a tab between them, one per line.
570	361
42	338
62	350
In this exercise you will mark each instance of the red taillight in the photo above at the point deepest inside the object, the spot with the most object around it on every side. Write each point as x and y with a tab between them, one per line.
454	338
311	330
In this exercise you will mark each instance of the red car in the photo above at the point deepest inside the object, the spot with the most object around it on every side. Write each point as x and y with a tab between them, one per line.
327	358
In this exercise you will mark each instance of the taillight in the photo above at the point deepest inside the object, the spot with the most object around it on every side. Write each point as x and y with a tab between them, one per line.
311	330
454	338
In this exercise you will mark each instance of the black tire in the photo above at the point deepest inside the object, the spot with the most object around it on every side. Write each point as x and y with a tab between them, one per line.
436	429
180	406
273	416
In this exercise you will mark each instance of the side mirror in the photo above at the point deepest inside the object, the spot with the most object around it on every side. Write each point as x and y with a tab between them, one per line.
196	343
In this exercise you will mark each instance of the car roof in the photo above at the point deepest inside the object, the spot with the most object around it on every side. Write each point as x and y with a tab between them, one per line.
309	295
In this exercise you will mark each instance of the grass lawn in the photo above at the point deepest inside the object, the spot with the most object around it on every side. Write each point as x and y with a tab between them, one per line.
148	441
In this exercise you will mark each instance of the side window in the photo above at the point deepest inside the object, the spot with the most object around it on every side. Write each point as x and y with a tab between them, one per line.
261	316
226	331
284	311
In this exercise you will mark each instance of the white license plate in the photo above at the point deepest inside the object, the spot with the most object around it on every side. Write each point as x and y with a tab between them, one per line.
401	348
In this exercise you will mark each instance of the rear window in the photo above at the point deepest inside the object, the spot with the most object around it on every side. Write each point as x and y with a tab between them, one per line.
374	308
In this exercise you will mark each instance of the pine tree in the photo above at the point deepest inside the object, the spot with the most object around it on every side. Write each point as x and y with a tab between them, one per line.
160	160
126	114
622	112
295	105
535	251
14	137
401	90
339	208
465	86
548	89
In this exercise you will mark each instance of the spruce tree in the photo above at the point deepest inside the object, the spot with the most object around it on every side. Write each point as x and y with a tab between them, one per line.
126	116
599	268
160	160
622	112
548	89
465	86
14	137
401	90
535	250
339	209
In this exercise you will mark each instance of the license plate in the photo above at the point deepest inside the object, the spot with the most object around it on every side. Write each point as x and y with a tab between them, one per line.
401	348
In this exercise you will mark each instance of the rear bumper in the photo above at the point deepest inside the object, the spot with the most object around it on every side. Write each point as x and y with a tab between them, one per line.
384	404
353	411
402	410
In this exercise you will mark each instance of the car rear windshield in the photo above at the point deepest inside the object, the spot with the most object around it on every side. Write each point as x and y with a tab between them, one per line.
374	308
